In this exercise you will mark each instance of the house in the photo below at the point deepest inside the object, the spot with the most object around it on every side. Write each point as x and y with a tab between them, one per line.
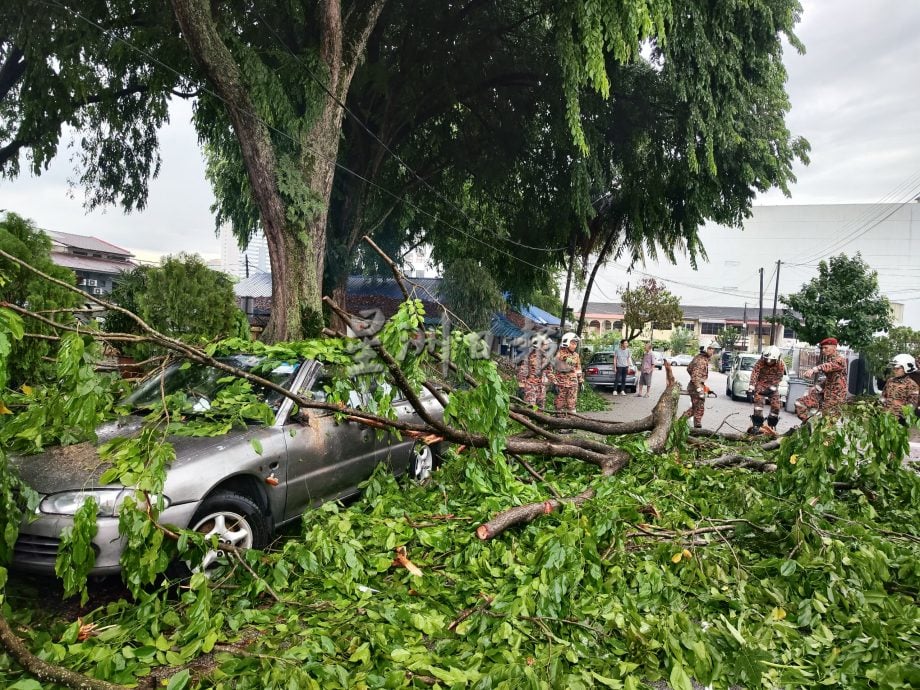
704	322
368	293
96	263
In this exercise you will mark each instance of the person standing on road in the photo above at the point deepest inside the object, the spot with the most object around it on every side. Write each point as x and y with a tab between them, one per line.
830	389
568	375
765	378
645	371
623	360
698	369
901	390
536	368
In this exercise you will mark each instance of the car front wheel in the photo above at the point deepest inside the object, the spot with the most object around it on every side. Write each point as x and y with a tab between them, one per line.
235	520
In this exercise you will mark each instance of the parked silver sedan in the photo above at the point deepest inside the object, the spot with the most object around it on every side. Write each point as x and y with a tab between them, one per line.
240	486
600	372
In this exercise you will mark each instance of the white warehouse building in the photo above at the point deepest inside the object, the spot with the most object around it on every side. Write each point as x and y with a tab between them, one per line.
887	235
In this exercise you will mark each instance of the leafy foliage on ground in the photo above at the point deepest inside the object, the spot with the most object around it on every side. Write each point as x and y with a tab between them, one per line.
674	570
798	583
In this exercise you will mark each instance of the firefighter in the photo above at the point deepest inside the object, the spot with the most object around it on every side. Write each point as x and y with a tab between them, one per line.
901	390
698	369
765	378
535	368
567	376
830	389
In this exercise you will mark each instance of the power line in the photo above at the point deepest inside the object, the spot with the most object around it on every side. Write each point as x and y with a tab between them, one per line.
865	223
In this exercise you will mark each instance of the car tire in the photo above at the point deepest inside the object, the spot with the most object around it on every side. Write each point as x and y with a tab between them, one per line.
236	519
422	462
728	388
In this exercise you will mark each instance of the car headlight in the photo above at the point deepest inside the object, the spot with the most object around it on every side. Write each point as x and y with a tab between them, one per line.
108	500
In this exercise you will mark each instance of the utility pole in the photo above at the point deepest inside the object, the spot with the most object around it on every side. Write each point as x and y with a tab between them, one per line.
775	299
760	317
568	284
744	328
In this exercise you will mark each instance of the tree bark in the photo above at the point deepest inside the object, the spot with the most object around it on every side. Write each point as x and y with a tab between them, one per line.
296	250
523	514
42	670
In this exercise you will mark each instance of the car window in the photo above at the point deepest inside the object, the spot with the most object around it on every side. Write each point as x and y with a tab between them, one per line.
602	358
205	383
324	384
746	363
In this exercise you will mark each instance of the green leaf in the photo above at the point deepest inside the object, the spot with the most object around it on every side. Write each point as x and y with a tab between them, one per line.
179	681
256	445
679	679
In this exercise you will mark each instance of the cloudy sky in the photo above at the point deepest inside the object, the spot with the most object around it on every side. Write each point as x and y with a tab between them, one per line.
854	97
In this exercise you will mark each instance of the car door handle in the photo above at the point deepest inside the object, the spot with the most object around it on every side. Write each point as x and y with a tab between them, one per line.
274	465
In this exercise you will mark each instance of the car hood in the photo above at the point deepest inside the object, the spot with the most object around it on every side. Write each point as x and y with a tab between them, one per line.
79	466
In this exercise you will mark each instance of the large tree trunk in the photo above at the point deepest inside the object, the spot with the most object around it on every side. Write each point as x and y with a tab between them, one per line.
296	251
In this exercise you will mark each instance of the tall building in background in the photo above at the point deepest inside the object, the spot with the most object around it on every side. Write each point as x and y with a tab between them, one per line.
239	263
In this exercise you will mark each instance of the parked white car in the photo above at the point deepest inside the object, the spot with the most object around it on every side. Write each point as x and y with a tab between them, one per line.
680	360
739	378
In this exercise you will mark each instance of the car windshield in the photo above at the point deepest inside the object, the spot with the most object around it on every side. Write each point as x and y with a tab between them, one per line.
205	383
746	363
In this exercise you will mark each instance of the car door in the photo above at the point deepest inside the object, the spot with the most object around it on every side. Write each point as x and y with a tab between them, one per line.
327	458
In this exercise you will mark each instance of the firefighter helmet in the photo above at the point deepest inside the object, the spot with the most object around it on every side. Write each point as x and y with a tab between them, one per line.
569	338
906	362
772	354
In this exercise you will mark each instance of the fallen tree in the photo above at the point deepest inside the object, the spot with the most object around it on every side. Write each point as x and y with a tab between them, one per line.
664	536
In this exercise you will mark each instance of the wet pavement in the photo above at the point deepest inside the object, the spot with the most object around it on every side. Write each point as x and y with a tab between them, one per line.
722	413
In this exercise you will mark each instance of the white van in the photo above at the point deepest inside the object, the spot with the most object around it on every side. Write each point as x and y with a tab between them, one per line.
739	378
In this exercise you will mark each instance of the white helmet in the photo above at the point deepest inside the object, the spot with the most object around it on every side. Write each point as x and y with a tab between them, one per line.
713	345
538	341
906	362
569	337
772	354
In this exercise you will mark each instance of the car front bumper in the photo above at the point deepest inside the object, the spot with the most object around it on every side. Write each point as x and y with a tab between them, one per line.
39	540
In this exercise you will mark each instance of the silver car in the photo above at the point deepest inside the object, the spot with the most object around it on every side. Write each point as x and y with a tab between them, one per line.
240	486
600	372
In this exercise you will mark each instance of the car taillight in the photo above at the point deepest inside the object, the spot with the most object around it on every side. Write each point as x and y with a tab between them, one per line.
592	371
631	372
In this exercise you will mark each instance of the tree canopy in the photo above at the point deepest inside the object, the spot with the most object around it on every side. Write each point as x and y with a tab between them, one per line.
683	342
560	95
898	340
23	288
843	301
182	298
649	302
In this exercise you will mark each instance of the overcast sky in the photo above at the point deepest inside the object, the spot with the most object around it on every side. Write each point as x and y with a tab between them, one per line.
854	97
